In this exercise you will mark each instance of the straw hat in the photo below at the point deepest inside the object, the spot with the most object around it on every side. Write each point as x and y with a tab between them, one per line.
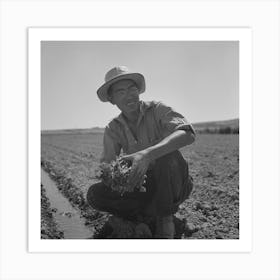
116	74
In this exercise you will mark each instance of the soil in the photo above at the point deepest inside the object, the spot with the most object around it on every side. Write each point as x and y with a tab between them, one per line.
211	212
49	228
93	218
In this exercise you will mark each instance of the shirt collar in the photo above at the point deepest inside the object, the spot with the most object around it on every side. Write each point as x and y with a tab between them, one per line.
143	108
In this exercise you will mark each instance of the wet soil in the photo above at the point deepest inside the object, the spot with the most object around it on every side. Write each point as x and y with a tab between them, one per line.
93	219
49	228
64	215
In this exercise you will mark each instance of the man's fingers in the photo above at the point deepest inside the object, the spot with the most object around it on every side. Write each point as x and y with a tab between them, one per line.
133	182
136	182
136	177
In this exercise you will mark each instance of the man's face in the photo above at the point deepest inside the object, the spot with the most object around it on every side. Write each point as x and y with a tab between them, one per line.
125	95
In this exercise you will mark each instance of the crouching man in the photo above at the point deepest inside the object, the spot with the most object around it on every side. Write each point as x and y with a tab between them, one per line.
149	134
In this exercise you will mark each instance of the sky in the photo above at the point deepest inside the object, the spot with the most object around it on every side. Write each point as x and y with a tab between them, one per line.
199	79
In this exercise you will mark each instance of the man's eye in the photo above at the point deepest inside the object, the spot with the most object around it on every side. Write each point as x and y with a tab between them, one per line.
133	89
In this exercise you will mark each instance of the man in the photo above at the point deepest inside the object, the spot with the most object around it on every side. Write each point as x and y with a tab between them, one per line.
149	134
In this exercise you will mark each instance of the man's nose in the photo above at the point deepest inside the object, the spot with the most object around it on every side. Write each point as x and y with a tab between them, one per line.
134	94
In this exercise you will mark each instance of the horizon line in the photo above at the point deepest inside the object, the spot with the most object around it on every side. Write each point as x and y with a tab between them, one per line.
100	127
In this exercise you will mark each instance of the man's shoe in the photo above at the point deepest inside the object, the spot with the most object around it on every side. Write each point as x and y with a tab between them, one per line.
165	227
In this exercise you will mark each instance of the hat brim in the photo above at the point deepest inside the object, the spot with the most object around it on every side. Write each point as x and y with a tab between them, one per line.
138	78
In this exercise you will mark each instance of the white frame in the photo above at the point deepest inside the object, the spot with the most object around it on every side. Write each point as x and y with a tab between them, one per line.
242	35
262	16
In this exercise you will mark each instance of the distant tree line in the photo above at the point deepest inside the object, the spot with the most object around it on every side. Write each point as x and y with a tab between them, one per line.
220	130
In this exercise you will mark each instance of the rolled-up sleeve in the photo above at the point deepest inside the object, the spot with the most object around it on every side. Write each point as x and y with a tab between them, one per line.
111	145
170	120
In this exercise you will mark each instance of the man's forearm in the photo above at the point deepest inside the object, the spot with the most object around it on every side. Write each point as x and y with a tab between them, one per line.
173	142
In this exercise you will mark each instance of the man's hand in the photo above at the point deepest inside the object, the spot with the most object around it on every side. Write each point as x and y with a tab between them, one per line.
140	163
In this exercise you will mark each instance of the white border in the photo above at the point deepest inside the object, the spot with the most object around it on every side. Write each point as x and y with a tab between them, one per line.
243	35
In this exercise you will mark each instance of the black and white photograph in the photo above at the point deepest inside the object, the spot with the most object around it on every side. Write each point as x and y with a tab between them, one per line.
139	139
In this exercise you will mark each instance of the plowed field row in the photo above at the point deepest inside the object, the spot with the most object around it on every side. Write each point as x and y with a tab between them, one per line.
212	211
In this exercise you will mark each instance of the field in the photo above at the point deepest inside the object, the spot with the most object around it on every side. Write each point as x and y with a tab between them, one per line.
211	212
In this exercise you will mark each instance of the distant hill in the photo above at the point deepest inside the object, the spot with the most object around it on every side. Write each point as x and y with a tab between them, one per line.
215	125
200	126
74	131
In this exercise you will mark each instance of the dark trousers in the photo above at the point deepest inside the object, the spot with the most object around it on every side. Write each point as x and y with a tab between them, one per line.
168	184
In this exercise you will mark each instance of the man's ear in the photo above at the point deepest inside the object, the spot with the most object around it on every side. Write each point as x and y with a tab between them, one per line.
109	97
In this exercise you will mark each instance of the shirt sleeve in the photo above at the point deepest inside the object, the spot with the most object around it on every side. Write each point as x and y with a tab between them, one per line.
111	145
170	120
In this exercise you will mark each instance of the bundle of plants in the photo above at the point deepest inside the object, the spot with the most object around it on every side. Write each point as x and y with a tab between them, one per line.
116	174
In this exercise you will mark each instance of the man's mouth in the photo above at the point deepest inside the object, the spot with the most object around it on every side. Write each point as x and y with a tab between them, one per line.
131	103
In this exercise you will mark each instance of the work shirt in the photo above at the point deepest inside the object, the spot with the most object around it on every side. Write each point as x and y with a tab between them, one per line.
155	122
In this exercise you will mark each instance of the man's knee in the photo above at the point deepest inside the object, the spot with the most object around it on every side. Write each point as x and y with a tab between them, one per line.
170	160
94	193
